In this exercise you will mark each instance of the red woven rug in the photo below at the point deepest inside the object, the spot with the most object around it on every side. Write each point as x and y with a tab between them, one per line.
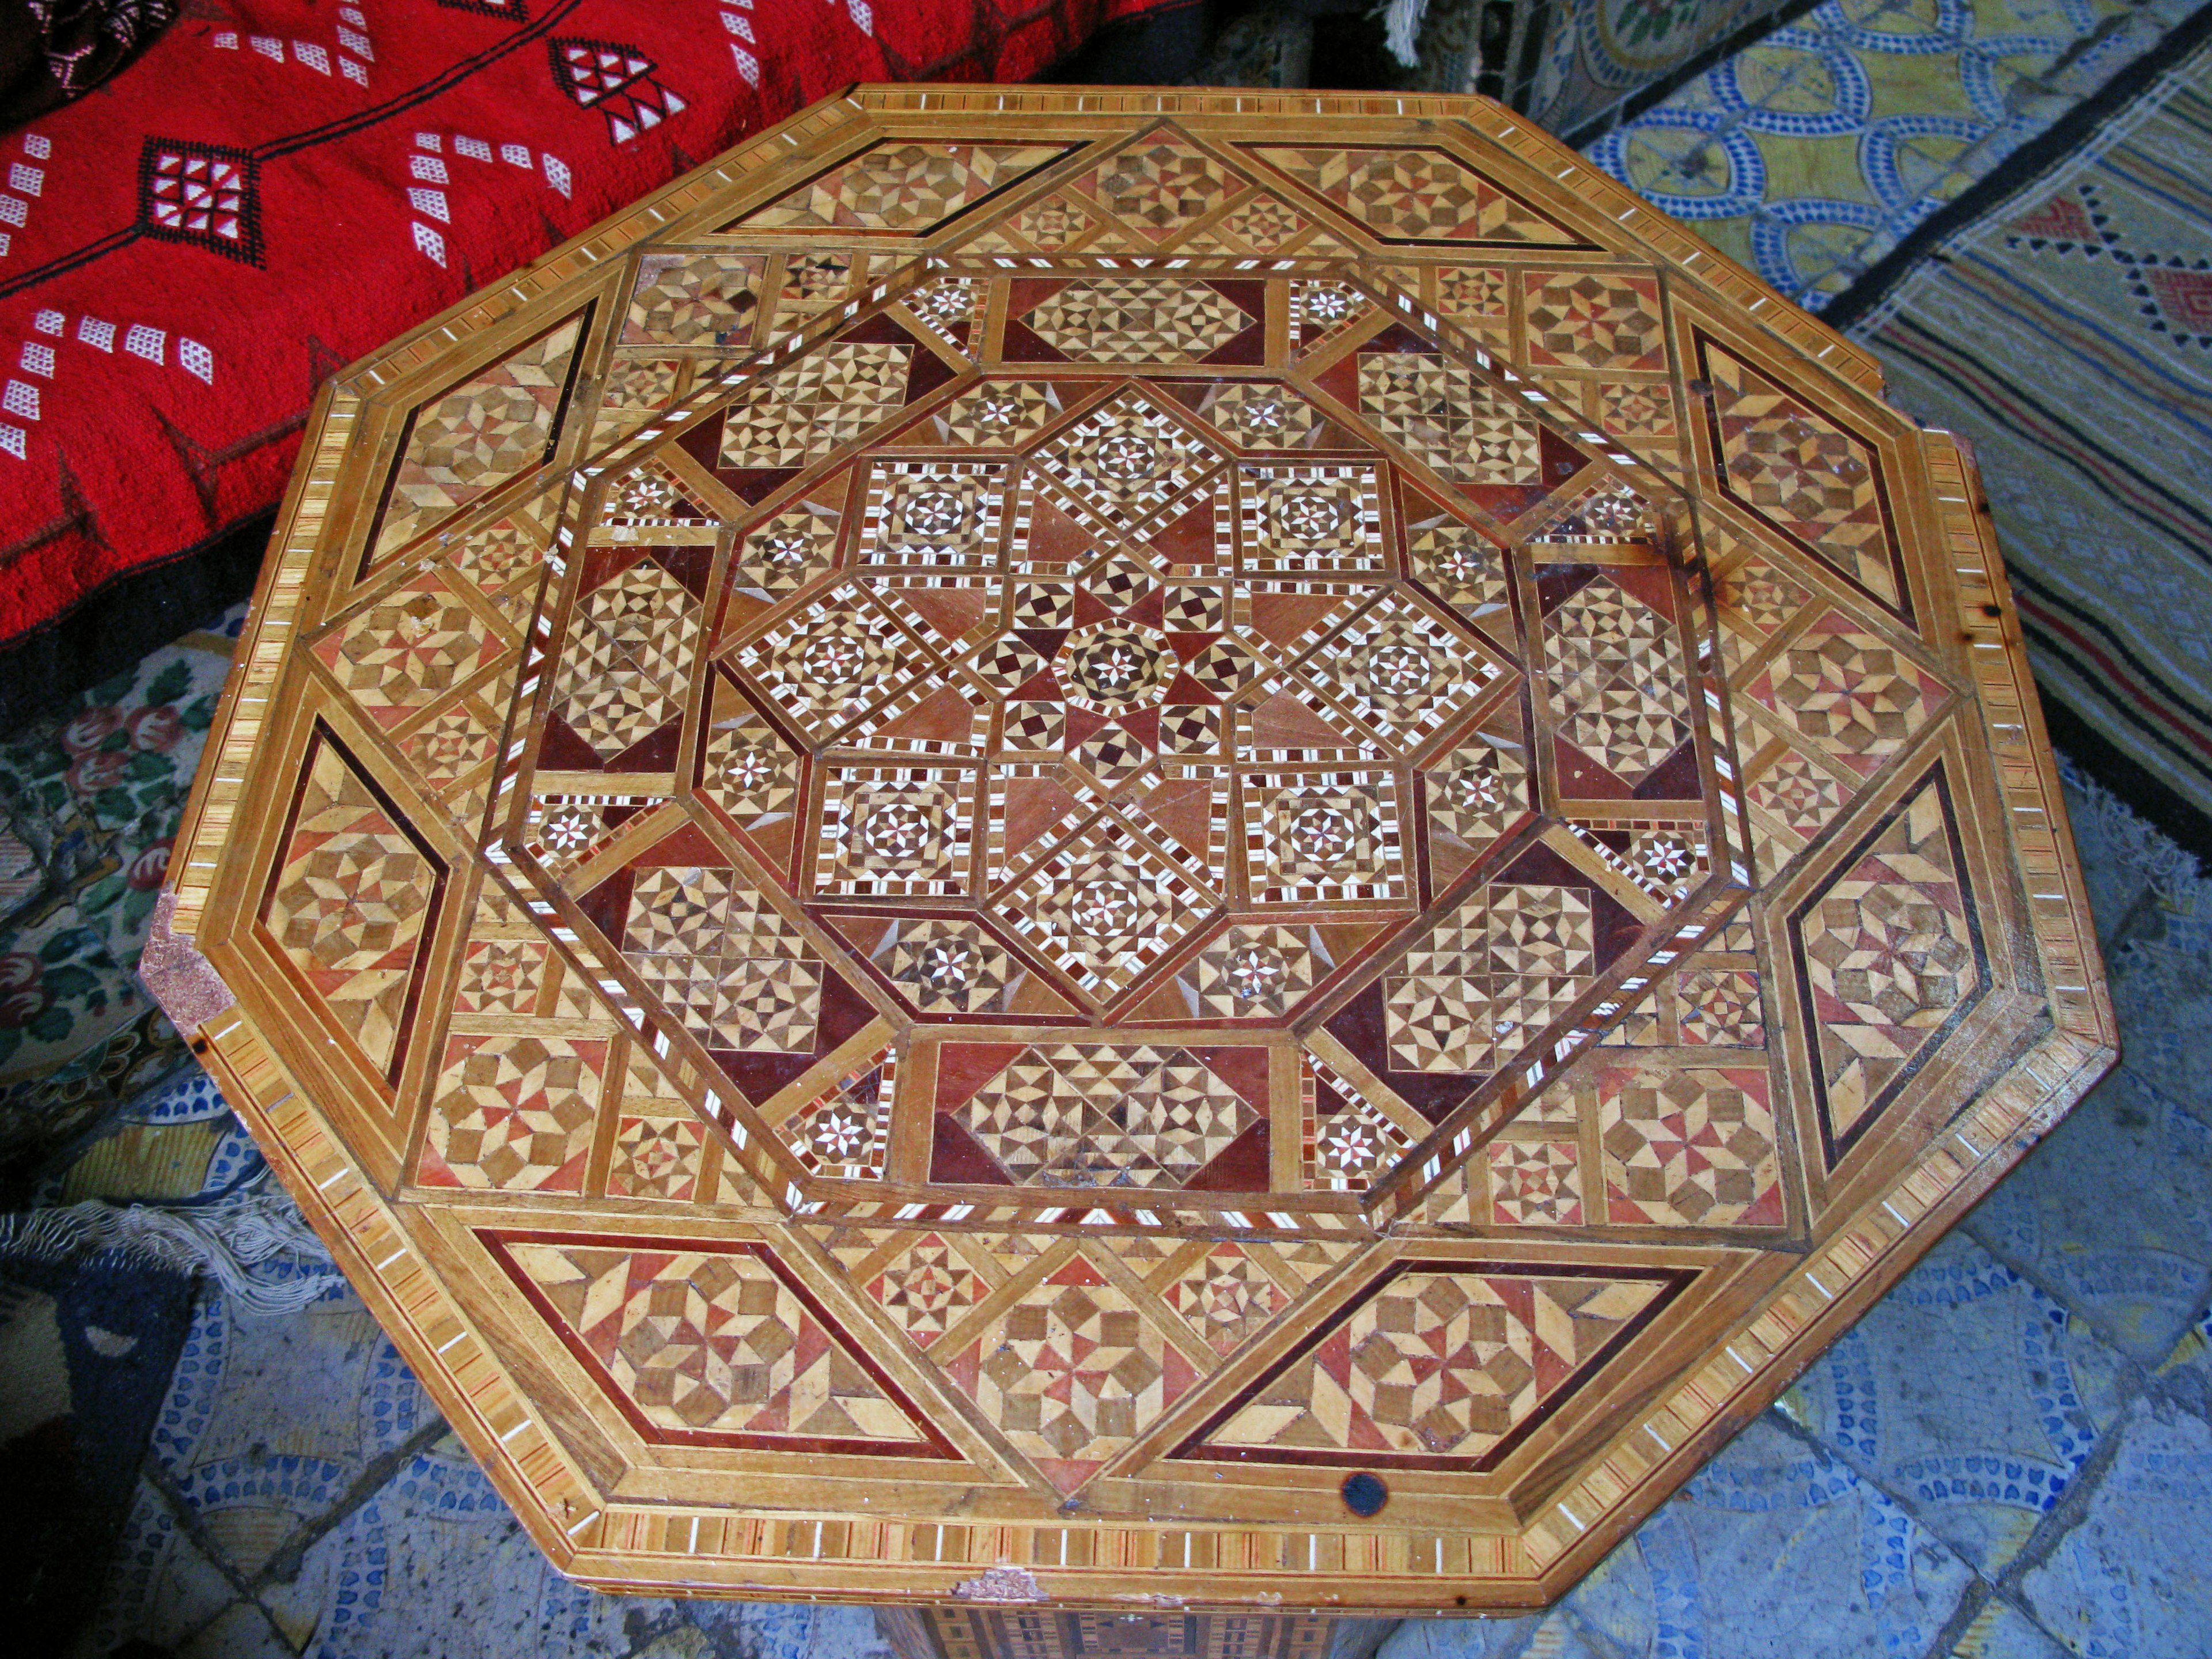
278	186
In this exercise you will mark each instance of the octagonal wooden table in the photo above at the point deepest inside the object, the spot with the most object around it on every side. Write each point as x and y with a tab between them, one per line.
1237	849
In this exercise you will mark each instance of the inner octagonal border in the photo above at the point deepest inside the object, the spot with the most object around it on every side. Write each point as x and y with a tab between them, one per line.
1696	911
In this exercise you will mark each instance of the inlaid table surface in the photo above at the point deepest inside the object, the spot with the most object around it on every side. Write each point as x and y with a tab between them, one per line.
1232	847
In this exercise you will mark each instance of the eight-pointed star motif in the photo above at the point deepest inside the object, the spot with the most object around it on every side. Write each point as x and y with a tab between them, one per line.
1115	605
1100	690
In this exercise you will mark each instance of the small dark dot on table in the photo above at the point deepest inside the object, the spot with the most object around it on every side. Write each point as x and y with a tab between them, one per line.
1366	1494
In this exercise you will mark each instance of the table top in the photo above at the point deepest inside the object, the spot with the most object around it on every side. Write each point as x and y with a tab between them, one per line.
1053	845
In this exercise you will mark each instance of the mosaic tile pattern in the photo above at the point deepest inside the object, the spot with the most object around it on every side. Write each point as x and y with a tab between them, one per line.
715	949
1082	1116
1892	955
901	187
1071	1372
1415	195
353	897
1809	154
712	1346
1436	1365
515	1113
826	398
1134	319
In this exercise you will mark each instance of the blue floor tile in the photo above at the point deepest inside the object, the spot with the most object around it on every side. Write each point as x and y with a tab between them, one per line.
2114	1212
1550	1634
1776	1548
411	1573
2132	1578
1970	1395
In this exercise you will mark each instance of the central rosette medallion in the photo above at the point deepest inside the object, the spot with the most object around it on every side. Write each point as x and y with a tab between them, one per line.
1110	668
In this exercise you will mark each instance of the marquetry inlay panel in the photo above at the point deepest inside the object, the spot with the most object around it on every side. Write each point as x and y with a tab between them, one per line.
1045	842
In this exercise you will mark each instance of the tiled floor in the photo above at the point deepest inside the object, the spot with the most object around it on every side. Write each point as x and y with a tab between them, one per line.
301	1495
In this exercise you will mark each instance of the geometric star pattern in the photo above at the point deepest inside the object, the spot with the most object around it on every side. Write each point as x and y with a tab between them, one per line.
515	1113
1855	697
1614	678
847	1132
1071	1372
1100	820
902	187
1416	195
1353	1140
414	644
1584	320
1068	1114
632	640
479	436
1226	1297
1159	185
716	1343
353	895
723	959
708	299
657	1157
1800	470
826	398
1890	955
1534	1181
1690	1147
1449	419
1435	1365
1492	978
926	1288
1128	319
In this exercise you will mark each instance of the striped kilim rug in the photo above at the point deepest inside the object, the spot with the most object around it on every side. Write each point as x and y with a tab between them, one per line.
2064	324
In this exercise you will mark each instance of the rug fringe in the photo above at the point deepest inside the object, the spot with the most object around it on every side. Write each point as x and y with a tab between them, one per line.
226	1240
2170	870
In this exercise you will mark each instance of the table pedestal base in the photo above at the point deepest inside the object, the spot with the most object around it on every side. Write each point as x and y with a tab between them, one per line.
1036	1632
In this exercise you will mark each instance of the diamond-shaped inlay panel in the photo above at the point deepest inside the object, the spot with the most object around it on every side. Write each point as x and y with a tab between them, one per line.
1137	319
901	187
714	1346
355	891
1436	1367
1417	195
